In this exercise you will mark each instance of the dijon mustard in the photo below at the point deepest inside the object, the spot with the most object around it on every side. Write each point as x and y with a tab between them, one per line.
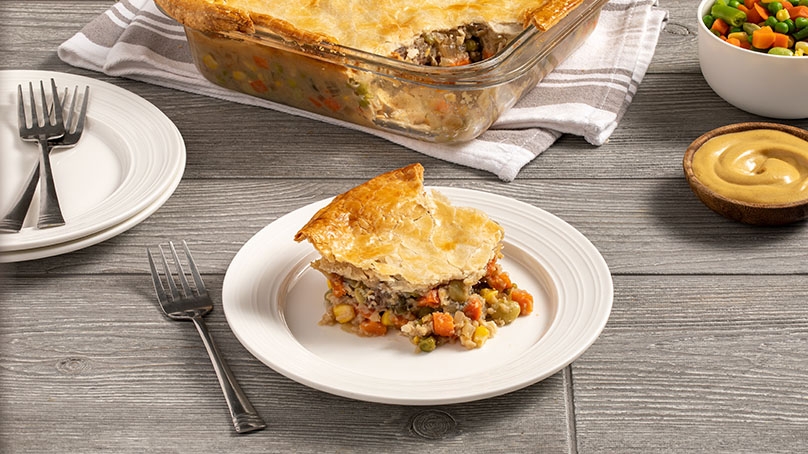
756	166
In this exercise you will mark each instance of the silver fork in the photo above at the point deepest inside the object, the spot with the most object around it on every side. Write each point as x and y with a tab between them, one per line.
188	304
74	127
52	128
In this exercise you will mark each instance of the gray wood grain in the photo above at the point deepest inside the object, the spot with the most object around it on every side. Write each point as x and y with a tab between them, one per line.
706	349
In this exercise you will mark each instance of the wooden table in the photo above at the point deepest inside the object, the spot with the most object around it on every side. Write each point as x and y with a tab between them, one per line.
706	349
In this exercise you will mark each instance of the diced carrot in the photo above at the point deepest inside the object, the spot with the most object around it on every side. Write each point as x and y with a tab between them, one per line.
258	86
337	288
720	26
750	3
734	41
496	278
261	62
464	61
797	11
786	4
371	328
763	38
524	299
745	44
440	105
751	14
332	104
314	101
781	40
473	309
762	12
431	299
443	324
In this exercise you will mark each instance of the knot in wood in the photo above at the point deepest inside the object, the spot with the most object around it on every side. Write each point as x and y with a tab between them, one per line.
72	366
433	424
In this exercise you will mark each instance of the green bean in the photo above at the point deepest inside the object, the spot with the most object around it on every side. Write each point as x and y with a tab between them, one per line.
800	35
730	15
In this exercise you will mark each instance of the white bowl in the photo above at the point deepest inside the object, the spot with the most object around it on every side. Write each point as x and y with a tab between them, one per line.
768	85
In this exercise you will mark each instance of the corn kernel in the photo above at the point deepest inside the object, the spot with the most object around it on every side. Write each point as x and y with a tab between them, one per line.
801	46
344	313
481	334
489	294
783	15
740	36
210	62
239	75
387	318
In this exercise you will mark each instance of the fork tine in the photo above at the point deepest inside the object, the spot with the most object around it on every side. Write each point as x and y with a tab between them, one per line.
83	113
57	104
158	285
21	117
183	281
175	294
34	114
200	286
69	117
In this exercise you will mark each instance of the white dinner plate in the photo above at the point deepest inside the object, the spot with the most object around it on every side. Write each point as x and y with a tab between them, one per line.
95	238
273	301
128	158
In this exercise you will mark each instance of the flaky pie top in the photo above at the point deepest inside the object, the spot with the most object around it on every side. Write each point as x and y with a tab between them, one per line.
391	230
374	26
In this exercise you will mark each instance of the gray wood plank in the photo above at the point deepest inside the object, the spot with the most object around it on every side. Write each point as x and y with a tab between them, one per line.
698	364
103	370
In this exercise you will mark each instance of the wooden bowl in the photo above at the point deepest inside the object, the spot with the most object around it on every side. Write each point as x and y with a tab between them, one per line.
738	210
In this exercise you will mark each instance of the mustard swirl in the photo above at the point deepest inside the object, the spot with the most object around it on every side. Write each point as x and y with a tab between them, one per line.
757	166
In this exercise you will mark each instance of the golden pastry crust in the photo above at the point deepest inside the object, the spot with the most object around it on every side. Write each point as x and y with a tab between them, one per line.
369	25
392	232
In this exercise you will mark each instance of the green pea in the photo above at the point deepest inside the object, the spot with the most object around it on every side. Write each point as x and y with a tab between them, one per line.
774	7
427	344
803	2
781	51
733	3
781	27
771	21
791	25
801	22
506	311
708	20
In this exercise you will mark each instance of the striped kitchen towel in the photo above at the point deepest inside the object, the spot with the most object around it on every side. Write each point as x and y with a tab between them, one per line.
585	95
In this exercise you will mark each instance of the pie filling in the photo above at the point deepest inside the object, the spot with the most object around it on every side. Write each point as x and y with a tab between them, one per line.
450	312
459	46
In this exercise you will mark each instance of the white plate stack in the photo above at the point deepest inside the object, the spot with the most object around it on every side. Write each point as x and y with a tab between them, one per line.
128	162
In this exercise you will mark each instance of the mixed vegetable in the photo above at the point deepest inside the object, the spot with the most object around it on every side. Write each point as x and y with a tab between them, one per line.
777	27
453	312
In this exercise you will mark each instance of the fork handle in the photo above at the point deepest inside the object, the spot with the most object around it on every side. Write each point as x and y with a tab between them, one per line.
245	418
14	219
50	214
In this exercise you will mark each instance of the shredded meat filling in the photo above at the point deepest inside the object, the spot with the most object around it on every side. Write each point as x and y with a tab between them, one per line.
461	46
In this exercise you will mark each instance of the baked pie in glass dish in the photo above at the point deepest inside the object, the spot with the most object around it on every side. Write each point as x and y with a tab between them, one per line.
435	70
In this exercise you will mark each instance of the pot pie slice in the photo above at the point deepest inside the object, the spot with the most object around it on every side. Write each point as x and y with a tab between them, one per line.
399	257
427	32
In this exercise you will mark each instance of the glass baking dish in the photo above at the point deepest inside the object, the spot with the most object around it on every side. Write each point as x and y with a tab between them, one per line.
438	104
